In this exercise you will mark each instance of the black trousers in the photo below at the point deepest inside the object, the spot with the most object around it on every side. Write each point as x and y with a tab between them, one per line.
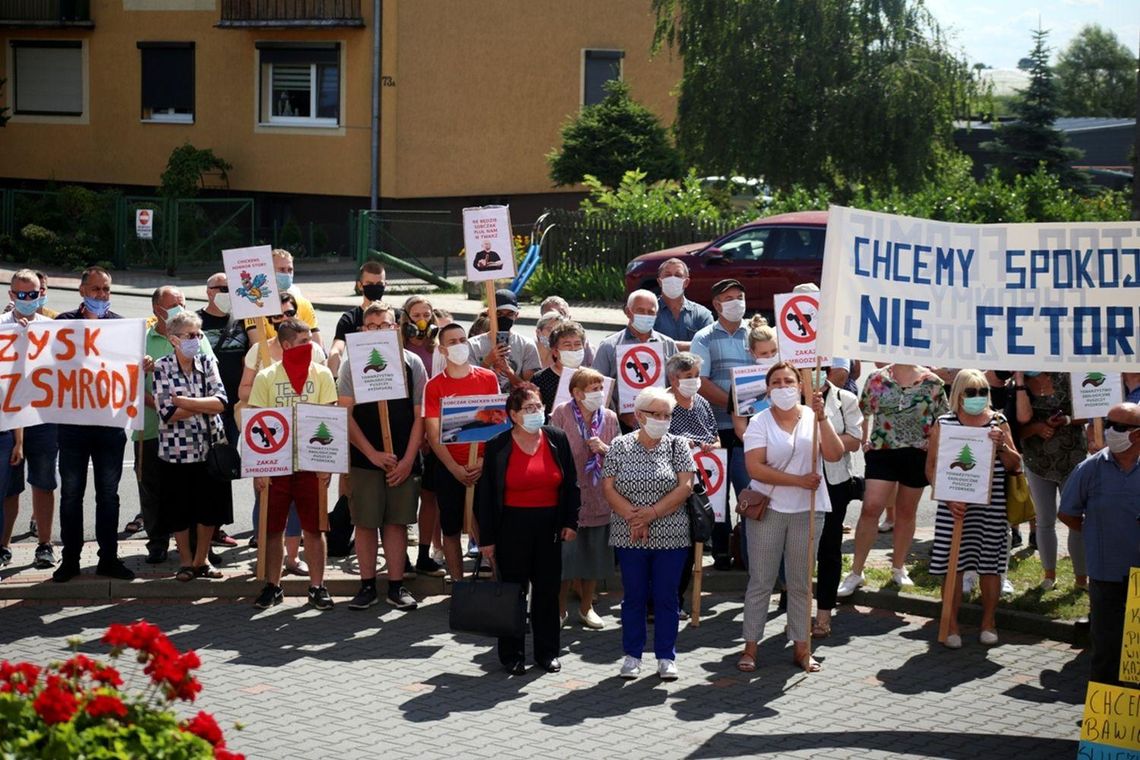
1106	629
528	551
830	552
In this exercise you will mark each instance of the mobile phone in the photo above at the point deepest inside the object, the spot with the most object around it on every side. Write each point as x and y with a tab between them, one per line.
503	337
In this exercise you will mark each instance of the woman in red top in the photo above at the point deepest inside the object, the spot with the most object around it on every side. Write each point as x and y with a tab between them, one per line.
526	504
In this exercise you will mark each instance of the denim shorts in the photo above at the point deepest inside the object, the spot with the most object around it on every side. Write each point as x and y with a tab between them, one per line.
41	452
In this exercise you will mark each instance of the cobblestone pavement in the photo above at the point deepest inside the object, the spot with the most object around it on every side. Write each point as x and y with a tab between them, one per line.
384	683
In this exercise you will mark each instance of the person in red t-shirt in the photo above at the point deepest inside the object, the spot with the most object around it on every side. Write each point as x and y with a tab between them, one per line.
453	476
526	505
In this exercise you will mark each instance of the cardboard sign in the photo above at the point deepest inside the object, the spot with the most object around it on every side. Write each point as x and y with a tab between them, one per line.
1130	647
377	364
253	283
562	395
76	372
322	438
489	246
640	365
266	441
712	469
749	385
1111	722
964	468
797	318
473	419
1094	393
144	224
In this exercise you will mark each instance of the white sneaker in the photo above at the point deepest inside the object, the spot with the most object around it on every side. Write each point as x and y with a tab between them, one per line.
667	670
885	525
852	582
438	556
953	641
969	581
630	667
1007	588
1048	584
900	576
563	617
989	638
591	620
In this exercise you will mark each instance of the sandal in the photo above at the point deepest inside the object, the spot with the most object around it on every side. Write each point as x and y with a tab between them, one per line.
746	663
185	574
807	662
819	630
134	526
205	571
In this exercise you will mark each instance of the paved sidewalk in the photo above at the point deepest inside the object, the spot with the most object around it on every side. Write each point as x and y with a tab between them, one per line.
383	683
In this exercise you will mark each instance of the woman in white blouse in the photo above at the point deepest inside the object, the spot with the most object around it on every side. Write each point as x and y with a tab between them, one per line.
778	454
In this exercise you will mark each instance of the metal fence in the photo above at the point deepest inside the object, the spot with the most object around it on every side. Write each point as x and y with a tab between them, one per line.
581	240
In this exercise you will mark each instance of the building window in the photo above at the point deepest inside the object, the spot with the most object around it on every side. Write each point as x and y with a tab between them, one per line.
300	84
599	67
47	78
167	81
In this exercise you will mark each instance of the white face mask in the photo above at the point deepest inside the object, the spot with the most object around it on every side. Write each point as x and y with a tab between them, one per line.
655	428
784	398
571	359
1117	442
222	302
458	353
733	310
689	386
593	401
673	287
643	323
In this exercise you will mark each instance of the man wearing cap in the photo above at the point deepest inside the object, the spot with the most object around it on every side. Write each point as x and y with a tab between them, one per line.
677	316
513	357
641	311
723	346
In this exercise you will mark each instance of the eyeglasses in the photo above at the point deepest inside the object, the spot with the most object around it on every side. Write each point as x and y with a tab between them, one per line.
222	288
26	295
531	408
381	326
975	392
1121	427
659	415
289	314
191	336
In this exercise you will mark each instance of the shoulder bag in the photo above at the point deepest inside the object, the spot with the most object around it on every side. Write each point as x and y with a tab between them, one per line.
753	504
488	608
1018	503
223	461
700	512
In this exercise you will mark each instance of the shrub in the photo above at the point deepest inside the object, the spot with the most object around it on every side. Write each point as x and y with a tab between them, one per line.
184	170
593	282
77	708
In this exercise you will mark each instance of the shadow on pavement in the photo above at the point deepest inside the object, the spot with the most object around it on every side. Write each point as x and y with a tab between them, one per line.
932	744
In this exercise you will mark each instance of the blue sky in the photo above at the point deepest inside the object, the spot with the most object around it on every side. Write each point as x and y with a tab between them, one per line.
998	32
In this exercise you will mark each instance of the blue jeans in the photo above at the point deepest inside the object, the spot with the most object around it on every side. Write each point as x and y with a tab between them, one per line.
645	572
103	447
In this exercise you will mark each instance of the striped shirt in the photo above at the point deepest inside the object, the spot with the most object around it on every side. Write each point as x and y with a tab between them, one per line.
721	352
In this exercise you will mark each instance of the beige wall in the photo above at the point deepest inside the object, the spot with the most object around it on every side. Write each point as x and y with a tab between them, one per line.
480	92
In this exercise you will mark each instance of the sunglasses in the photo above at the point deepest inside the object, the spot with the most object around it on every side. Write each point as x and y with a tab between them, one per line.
26	295
222	288
975	392
287	314
1121	427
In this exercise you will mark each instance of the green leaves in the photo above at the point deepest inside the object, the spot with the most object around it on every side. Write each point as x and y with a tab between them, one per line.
1096	75
593	282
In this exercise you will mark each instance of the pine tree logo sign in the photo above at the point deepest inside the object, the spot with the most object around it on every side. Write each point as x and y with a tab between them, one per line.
322	435
375	363
965	460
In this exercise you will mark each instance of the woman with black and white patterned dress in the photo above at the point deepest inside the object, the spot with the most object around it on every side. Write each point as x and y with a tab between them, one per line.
985	529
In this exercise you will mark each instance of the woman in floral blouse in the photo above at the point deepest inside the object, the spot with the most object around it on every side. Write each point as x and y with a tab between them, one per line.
189	397
903	400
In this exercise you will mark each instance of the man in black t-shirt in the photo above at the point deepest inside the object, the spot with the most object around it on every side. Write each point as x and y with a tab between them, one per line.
371	282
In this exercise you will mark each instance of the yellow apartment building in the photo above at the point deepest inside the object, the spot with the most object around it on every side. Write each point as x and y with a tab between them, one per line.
473	93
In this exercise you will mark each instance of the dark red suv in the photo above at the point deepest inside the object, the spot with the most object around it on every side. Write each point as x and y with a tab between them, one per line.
768	256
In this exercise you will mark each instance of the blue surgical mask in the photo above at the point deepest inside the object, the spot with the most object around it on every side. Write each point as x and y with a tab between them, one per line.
532	421
96	306
643	323
27	308
189	347
284	280
975	405
172	312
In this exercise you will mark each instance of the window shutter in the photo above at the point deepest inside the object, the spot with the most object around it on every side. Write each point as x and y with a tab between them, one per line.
168	78
49	79
601	67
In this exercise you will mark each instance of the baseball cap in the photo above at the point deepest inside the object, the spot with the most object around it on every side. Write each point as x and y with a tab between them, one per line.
724	285
505	299
837	363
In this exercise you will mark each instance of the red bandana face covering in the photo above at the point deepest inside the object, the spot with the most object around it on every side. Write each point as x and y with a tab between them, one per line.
296	362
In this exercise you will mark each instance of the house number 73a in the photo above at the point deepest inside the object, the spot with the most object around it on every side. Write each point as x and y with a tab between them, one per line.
388	81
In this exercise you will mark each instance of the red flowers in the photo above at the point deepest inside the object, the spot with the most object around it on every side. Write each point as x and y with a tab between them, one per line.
56	703
205	727
19	678
106	705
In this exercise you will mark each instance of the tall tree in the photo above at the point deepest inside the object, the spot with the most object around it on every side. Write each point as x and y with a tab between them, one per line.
812	91
1021	146
1096	75
611	137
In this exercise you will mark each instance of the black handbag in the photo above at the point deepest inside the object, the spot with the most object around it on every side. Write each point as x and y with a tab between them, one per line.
488	607
223	461
700	512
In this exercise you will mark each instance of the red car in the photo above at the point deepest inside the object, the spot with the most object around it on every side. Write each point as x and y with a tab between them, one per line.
769	256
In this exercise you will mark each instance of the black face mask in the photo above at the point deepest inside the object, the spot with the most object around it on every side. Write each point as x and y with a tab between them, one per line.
373	291
506	323
1003	376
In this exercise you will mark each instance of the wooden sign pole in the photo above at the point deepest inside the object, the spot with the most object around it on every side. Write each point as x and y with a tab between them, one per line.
950	586
807	381
473	451
698	562
263	496
323	503
1098	433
